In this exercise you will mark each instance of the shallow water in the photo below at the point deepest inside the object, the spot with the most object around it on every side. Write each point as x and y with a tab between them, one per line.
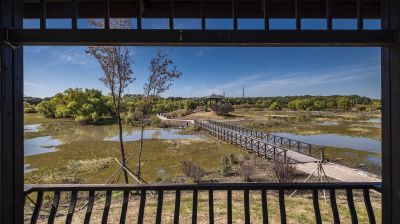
31	127
329	123
339	141
170	134
40	145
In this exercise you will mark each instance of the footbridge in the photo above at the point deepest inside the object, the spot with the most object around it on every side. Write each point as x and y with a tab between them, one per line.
265	144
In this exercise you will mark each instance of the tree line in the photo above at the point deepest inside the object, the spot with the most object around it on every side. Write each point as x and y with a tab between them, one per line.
89	105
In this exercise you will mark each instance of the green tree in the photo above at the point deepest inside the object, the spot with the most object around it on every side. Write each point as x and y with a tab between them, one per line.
344	103
275	106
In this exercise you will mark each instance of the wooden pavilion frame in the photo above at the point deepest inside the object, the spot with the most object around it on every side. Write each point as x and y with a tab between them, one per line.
13	36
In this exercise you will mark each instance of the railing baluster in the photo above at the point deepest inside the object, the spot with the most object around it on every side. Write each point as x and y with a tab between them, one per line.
141	206
194	208
171	14
246	207
282	207
106	207
159	206
43	14
89	207
139	14
229	206
124	209
235	14
264	206
297	14
211	206
54	207
316	207
350	202
328	14
107	14
177	206
360	22
38	205
71	209
203	14
74	14
335	212
368	206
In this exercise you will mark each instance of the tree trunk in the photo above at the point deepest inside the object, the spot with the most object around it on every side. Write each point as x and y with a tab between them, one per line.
141	147
121	146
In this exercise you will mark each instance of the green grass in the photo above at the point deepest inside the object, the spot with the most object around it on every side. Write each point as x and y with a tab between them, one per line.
161	159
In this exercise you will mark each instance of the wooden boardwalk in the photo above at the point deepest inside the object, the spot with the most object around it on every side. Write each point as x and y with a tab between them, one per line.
305	156
267	145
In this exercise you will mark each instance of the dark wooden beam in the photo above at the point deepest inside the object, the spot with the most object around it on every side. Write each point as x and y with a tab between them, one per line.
11	120
202	38
391	116
215	9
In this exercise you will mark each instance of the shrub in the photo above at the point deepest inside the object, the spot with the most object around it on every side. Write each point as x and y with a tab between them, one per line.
222	108
225	167
283	172
193	171
232	159
246	167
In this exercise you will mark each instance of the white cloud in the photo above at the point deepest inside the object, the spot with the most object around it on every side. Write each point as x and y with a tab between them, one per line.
287	84
75	56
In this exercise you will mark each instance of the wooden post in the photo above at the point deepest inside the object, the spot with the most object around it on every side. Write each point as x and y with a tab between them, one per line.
391	115
11	118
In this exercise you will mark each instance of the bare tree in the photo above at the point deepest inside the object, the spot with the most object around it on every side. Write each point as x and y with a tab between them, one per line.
115	61
162	73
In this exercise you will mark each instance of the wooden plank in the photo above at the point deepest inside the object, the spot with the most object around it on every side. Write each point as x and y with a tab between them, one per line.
229	206
124	209
365	38
246	207
390	80
282	207
142	206
106	209
89	208
352	209
264	206
368	206
317	211
211	206
335	212
160	199
11	118
194	207
38	206
177	206
54	207
71	208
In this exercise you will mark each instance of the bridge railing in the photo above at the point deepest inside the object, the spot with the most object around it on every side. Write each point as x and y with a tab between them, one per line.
259	146
46	203
315	151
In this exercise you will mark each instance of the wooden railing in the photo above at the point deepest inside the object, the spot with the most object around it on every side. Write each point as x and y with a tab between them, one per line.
288	143
258	143
145	192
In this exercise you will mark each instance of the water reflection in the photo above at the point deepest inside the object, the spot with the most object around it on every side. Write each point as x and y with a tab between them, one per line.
31	127
170	133
339	141
40	145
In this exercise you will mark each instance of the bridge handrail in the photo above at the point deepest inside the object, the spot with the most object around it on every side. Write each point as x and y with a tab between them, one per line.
320	148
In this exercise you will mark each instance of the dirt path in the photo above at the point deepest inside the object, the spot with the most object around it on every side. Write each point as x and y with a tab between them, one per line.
161	117
340	172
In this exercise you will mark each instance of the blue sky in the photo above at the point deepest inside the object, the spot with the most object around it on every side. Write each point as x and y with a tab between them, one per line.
206	70
262	71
